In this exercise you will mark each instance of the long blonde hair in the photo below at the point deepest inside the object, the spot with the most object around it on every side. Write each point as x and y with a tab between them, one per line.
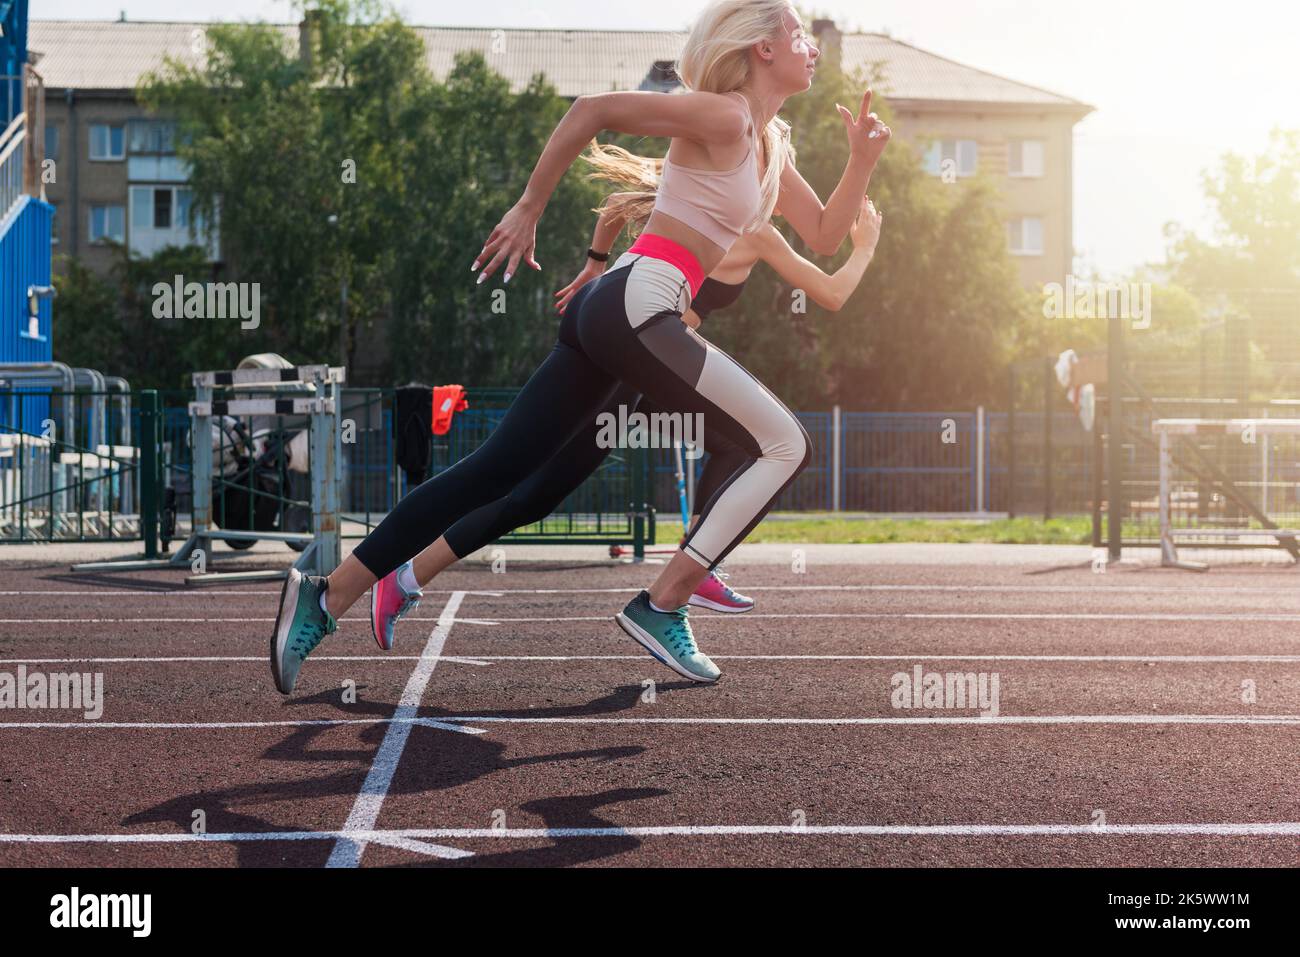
714	60
638	174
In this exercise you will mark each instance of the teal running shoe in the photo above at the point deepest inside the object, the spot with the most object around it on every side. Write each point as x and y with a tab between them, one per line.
667	635
300	625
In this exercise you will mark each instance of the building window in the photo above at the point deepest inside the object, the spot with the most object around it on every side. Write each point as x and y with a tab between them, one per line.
1025	158
106	142
162	209
958	156
1025	236
153	136
51	142
107	222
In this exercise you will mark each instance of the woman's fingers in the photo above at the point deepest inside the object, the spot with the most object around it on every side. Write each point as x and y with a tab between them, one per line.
512	266
493	240
492	265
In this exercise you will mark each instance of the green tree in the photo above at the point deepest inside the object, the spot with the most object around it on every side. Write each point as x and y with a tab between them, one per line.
304	162
109	323
1256	237
469	164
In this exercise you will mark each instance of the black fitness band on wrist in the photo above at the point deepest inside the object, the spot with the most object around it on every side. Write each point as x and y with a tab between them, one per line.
599	257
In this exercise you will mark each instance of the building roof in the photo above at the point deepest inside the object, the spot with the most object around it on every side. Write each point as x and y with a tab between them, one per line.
113	55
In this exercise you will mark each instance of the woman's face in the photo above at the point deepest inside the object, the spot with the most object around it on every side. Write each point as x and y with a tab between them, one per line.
793	56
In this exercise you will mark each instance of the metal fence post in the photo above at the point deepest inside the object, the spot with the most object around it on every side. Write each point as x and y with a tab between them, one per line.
1011	445
1048	376
150	459
837	458
1115	439
980	463
640	466
1098	464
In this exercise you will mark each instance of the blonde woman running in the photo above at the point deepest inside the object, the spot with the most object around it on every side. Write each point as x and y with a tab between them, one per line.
725	175
543	492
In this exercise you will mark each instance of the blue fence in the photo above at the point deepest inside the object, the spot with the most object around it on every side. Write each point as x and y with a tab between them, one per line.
918	462
889	462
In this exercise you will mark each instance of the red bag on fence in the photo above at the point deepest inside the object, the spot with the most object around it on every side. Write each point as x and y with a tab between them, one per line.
447	401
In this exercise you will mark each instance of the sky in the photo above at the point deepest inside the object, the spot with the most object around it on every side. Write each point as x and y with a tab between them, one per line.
1176	83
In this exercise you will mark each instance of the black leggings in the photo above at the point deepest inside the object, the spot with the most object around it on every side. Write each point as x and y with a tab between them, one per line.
542	492
624	328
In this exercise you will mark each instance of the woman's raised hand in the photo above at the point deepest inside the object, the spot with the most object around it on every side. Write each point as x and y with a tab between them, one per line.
514	238
868	136
865	231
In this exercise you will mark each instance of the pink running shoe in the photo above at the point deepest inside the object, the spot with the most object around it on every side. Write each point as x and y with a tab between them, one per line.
389	602
715	594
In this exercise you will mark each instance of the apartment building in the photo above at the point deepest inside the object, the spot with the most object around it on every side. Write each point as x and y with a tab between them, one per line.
118	176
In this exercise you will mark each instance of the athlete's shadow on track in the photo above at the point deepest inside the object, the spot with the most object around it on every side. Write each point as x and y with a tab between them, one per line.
576	810
435	759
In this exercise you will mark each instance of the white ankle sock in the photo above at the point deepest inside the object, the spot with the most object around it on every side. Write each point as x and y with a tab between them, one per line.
406	578
322	602
662	611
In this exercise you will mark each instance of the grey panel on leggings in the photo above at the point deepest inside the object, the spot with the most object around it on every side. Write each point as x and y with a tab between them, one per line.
669	339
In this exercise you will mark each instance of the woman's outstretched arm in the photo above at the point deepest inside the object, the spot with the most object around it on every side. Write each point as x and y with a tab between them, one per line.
823	228
703	117
830	291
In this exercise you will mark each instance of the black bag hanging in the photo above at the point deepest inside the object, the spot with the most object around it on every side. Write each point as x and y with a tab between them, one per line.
413	431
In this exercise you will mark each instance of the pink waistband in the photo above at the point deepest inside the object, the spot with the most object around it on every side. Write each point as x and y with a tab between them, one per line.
661	247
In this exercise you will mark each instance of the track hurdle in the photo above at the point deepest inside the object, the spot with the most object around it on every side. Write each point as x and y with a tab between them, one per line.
320	399
1204	473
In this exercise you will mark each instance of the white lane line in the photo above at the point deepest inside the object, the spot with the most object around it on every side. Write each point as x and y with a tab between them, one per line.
1280	588
747	616
1278	719
1214	829
347	852
458	722
118	621
1198	589
240	725
166	659
487	659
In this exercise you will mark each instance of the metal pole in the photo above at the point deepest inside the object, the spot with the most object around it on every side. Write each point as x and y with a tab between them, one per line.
979	459
1263	475
326	453
149	459
837	459
22	505
201	465
343	322
640	464
690	485
1098	458
1168	554
1049	377
1011	445
1115	439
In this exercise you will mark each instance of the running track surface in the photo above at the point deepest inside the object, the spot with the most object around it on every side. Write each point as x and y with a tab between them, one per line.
1145	717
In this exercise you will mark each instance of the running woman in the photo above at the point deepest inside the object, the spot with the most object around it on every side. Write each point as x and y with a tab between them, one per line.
741	61
399	592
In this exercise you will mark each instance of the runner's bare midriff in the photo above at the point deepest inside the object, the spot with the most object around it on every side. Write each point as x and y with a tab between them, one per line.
705	250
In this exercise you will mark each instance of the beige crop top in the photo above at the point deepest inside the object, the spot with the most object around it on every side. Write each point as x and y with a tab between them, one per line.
718	203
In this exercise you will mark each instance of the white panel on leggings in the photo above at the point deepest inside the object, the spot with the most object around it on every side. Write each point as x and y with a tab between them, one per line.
778	435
